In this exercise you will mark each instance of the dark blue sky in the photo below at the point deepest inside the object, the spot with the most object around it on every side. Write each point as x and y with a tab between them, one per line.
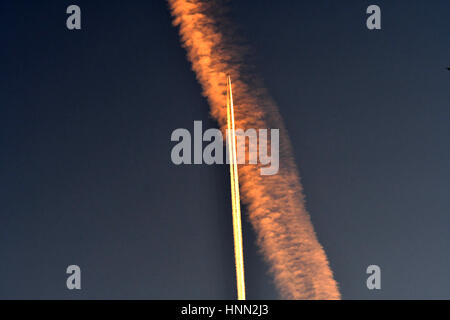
85	171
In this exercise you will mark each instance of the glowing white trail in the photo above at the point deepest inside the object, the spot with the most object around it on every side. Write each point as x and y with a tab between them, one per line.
235	198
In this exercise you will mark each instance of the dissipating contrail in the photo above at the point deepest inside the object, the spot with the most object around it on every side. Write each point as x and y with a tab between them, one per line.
274	203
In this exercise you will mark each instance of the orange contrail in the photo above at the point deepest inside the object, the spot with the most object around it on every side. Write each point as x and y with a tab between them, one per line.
275	204
235	198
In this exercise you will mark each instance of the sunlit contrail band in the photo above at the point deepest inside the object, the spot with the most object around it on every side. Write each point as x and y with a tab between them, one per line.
275	203
235	199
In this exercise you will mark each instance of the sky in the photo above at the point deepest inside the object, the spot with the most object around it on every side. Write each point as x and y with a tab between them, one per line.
86	176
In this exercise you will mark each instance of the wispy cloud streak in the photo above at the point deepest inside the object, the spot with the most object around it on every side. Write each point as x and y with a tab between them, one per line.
275	203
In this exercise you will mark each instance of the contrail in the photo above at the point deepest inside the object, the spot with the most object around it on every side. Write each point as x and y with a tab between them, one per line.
235	198
275	203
